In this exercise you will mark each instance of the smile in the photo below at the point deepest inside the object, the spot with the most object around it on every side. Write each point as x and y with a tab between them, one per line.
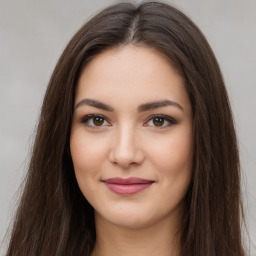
128	186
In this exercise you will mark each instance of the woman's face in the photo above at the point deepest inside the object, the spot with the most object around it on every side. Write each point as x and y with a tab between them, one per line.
131	139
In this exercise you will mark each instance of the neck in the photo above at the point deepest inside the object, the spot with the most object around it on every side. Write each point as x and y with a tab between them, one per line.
159	239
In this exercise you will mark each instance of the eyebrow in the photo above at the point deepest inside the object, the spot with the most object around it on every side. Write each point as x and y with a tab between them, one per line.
94	103
158	104
141	108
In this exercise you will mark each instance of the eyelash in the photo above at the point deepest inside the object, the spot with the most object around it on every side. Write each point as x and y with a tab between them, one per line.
170	121
85	120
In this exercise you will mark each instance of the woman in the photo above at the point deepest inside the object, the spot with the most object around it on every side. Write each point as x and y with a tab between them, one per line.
135	152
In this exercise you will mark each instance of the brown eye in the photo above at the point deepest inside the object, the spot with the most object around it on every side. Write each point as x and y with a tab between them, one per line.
161	121
95	121
98	121
158	121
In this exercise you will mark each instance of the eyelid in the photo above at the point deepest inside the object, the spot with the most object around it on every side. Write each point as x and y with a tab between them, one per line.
169	119
86	118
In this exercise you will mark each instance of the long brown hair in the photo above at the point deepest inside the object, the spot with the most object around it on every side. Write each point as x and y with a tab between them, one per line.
54	218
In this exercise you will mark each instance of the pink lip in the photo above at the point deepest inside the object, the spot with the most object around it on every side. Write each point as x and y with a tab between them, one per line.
128	186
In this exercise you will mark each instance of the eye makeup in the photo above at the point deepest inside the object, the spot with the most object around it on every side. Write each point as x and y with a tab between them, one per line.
160	121
157	121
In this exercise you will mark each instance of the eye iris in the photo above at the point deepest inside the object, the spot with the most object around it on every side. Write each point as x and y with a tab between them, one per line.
158	121
98	121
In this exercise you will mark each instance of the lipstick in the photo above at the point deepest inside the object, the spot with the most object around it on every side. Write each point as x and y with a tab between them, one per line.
127	186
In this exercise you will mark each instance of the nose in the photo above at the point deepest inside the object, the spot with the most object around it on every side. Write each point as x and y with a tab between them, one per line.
126	149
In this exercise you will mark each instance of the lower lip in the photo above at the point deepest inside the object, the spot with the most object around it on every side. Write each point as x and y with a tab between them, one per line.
127	189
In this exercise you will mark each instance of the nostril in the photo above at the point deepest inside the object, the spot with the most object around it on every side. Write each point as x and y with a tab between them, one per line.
125	150
126	158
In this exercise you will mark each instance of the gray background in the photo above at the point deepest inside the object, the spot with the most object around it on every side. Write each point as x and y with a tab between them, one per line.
32	37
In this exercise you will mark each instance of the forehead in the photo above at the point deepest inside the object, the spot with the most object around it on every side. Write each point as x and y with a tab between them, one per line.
131	73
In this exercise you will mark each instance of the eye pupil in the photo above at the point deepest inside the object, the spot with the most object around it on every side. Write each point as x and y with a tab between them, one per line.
158	121
98	121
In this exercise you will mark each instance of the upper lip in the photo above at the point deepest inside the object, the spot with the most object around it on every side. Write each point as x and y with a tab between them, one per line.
131	180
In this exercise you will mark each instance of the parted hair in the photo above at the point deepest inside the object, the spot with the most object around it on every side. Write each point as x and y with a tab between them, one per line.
54	218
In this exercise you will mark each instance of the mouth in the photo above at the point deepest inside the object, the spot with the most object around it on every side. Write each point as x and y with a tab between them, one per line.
127	186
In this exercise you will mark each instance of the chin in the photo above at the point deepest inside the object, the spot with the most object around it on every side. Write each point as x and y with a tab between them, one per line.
130	221
130	218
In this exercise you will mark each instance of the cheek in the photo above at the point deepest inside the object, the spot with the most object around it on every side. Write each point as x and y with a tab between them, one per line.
172	158
87	156
87	153
173	155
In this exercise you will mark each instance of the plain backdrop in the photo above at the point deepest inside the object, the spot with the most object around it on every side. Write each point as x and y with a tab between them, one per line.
33	34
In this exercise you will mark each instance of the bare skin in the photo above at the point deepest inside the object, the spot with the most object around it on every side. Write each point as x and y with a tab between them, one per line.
153	240
133	118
